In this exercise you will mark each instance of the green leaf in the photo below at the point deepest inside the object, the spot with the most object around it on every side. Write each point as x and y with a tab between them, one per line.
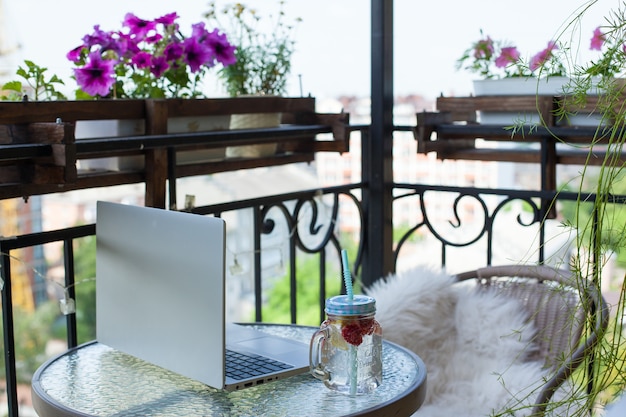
13	86
22	73
81	95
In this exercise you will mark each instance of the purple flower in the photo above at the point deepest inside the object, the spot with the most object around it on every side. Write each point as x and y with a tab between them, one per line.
159	66
153	38
97	38
508	55
138	27
597	40
104	41
121	45
131	45
142	60
223	51
97	76
168	19
108	58
173	51
196	54
74	54
199	32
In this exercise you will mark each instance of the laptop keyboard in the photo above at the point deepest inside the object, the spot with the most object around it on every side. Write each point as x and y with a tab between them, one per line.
246	365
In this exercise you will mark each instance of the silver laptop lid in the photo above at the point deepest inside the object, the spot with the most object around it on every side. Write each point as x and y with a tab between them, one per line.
160	288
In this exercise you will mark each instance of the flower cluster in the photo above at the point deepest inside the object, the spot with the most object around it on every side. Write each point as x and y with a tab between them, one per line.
148	59
495	59
263	56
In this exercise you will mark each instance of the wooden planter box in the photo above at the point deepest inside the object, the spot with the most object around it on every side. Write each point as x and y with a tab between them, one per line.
38	146
453	132
454	129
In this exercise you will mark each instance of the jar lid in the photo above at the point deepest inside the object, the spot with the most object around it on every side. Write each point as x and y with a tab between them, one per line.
340	305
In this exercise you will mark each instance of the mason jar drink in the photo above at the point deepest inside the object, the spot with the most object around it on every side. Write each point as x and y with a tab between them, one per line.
346	352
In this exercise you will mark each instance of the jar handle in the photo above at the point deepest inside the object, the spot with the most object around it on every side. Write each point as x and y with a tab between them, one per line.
315	352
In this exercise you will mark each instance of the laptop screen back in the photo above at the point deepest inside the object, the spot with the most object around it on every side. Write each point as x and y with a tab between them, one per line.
160	288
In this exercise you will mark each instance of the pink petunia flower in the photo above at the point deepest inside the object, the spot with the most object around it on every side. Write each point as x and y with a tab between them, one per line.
96	77
542	57
597	40
483	49
508	55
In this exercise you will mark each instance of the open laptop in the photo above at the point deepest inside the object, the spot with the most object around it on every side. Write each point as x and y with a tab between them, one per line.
160	297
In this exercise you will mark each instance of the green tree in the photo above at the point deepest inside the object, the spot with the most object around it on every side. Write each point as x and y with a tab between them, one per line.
277	307
85	287
32	332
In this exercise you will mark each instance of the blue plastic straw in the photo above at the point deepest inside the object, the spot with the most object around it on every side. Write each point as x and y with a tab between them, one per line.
347	278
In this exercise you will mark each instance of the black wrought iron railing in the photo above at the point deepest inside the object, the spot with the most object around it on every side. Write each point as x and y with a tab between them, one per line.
445	221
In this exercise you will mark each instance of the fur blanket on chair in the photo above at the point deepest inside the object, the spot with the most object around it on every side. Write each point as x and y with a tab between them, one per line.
473	343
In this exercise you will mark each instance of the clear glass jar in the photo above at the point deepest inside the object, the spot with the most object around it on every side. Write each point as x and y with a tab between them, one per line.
346	352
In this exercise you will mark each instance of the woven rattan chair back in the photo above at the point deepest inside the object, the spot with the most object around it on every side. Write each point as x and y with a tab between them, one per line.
554	306
559	303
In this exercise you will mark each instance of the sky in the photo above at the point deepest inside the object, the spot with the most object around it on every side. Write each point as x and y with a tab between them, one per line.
332	56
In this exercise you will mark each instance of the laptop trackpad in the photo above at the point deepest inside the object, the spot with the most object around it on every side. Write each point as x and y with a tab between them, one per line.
269	345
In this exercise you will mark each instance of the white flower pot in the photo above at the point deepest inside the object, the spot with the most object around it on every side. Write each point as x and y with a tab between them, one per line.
253	121
517	86
551	86
89	129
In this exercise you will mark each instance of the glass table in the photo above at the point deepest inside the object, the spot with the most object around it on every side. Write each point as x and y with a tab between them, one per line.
96	380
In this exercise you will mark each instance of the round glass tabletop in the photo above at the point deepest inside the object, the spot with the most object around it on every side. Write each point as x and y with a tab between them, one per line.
96	380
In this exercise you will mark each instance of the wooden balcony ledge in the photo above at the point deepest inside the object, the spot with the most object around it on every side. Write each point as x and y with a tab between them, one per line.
39	152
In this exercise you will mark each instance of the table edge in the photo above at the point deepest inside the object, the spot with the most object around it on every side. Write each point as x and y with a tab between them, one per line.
42	402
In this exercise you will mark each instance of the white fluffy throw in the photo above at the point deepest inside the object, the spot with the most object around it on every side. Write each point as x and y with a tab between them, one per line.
472	343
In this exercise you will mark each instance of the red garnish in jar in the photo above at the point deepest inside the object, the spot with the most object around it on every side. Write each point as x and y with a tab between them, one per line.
367	326
351	333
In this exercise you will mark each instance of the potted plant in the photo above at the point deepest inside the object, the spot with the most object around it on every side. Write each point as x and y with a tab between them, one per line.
145	59
263	64
37	86
149	59
505	72
498	60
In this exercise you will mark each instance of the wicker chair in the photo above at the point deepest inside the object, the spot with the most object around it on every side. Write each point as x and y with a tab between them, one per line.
559	305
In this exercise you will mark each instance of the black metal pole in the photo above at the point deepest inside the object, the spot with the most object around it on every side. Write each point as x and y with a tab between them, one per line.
9	334
377	148
70	285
